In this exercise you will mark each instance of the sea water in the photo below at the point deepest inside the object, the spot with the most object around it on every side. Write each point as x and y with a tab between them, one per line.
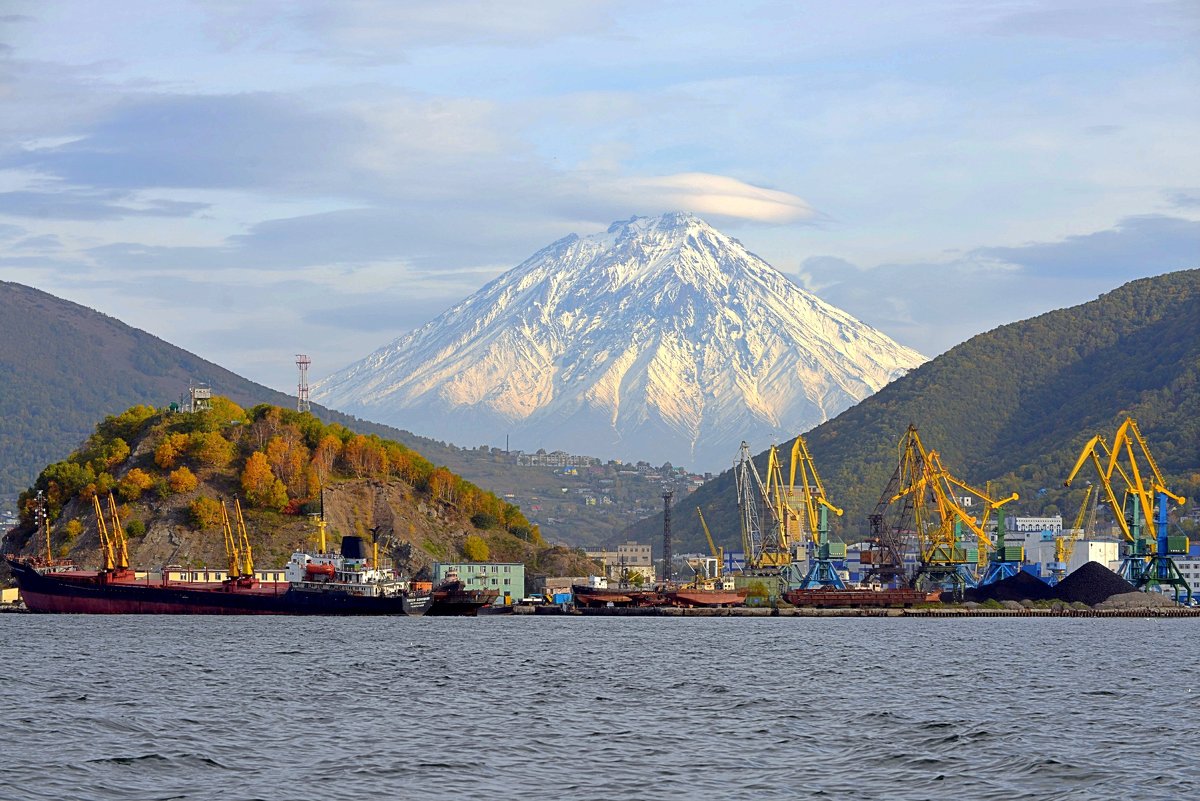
99	707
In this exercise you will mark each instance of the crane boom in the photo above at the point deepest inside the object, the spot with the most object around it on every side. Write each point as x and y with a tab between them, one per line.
120	543
106	544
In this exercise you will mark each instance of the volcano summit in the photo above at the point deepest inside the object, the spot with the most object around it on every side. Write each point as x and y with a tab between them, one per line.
661	339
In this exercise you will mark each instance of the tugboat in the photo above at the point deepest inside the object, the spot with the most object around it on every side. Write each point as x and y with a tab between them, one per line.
452	598
319	584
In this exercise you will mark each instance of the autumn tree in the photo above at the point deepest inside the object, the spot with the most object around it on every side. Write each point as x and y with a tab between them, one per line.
365	457
210	448
205	512
182	480
475	549
288	457
135	482
325	455
261	486
170	449
441	485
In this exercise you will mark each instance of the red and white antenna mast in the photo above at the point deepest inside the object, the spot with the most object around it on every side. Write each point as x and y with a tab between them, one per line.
302	404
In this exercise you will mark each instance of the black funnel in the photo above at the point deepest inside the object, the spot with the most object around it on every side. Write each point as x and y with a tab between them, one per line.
354	547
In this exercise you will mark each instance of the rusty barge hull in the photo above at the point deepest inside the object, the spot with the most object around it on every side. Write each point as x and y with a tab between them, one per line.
862	599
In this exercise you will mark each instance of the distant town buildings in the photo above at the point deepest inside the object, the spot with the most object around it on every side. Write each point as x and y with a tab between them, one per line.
554	459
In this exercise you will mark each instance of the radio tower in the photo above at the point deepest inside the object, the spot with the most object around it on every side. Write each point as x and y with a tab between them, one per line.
302	404
667	555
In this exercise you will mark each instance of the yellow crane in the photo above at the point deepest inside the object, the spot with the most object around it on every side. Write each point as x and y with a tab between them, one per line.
718	553
114	548
929	489
237	545
764	547
777	550
1064	543
823	555
1147	560
106	544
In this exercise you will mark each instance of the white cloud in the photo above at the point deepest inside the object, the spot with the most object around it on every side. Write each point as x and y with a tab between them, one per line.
715	196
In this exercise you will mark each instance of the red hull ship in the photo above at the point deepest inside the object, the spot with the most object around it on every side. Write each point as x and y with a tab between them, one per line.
120	592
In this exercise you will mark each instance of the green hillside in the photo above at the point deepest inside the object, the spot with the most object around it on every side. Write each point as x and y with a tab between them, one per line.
64	366
1014	406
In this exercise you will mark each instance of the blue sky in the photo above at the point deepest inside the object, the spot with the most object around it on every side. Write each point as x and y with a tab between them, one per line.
255	180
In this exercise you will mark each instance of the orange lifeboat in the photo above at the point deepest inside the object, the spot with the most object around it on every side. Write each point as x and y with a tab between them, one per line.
312	571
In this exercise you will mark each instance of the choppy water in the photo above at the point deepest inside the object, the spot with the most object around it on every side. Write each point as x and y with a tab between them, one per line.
550	708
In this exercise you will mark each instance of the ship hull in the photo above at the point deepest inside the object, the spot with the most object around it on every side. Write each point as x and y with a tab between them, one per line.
65	593
460	603
704	598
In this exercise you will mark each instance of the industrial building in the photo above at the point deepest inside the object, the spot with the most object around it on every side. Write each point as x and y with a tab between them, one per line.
624	561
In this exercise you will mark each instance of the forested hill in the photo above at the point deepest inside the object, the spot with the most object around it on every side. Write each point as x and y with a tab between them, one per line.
167	472
64	366
1014	406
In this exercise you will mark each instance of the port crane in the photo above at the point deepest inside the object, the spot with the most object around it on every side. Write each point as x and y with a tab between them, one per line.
814	519
237	546
891	523
927	492
718	554
1064	543
995	558
765	547
114	548
1147	559
1002	560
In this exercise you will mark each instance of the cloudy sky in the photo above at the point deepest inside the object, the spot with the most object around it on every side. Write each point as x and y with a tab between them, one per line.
254	180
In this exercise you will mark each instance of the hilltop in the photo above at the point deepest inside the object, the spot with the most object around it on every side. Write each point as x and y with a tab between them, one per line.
169	471
1013	406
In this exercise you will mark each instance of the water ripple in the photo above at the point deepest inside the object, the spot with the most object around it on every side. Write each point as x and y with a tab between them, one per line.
989	709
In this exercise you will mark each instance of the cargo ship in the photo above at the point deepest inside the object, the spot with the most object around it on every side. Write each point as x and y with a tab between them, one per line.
318	584
345	583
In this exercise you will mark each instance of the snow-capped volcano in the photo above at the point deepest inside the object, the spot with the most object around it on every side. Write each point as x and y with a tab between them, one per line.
661	339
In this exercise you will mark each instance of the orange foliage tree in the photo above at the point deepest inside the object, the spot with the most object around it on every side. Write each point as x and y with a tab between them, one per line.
170	449
261	486
135	482
288	457
182	480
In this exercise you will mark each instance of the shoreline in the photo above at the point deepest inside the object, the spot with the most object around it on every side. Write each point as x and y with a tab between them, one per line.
654	611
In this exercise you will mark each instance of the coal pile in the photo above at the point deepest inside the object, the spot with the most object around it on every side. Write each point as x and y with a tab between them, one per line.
1091	584
1020	587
